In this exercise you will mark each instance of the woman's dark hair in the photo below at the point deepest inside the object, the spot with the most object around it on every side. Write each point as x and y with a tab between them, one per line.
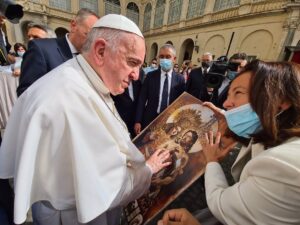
17	46
271	84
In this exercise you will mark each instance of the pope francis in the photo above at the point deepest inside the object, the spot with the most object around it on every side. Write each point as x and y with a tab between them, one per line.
65	145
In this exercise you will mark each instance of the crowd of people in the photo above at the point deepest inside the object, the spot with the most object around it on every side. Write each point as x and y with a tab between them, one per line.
84	97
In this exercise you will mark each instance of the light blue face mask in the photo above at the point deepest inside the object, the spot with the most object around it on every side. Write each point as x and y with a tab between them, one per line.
20	53
243	121
231	74
166	64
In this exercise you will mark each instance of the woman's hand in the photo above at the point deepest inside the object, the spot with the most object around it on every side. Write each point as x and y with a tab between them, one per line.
213	150
158	160
178	217
222	124
219	113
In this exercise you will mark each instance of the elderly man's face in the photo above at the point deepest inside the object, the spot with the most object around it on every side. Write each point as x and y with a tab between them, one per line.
79	31
122	66
206	58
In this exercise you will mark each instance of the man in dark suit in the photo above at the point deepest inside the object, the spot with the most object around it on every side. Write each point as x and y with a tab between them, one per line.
160	88
196	83
4	45
126	104
43	55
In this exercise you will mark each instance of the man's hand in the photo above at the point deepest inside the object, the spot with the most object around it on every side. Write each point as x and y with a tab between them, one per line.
178	217
137	128
158	160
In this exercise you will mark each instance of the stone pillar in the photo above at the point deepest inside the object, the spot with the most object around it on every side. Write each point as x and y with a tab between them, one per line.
141	16
166	15
74	6
152	17
209	7
123	7
184	9
208	11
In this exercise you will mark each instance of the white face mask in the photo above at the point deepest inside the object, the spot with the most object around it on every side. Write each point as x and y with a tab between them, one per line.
153	65
20	53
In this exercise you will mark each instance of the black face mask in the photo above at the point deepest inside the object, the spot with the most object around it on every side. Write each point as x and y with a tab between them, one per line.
206	64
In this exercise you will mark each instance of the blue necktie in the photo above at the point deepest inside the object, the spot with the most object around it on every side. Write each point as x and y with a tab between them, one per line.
164	97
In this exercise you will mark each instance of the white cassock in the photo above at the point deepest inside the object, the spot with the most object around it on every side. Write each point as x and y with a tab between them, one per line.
65	143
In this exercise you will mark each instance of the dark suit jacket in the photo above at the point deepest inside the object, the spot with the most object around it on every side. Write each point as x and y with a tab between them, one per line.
196	86
42	56
149	96
4	49
127	107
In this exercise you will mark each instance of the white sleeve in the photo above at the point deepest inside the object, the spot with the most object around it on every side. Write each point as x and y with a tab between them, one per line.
266	194
137	181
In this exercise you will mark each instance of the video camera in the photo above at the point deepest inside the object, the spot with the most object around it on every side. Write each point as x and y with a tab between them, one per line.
219	71
13	12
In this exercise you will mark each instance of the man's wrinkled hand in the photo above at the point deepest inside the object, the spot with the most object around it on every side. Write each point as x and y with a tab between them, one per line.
158	160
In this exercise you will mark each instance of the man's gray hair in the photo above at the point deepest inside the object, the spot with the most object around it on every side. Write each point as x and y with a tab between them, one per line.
83	13
112	36
169	46
49	31
38	26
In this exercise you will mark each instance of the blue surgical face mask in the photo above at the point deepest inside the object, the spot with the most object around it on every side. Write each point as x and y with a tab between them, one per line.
243	121
231	74
166	64
20	53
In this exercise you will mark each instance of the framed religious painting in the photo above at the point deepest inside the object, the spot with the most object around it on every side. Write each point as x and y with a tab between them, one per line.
180	129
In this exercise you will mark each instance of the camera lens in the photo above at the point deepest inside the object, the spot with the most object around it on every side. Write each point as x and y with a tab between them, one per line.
214	80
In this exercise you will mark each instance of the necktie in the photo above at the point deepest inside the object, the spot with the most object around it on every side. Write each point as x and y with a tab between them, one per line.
164	97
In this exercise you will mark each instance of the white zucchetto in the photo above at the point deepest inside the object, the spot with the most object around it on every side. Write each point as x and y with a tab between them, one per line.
118	22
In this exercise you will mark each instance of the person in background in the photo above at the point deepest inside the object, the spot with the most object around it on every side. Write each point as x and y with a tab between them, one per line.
20	50
153	66
160	88
263	113
126	103
196	82
176	68
5	58
36	31
43	55
187	71
6	193
236	63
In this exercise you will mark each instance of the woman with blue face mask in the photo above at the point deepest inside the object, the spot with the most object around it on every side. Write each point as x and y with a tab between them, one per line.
20	50
263	111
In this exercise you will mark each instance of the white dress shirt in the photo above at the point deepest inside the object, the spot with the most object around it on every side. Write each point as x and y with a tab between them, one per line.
162	81
71	46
